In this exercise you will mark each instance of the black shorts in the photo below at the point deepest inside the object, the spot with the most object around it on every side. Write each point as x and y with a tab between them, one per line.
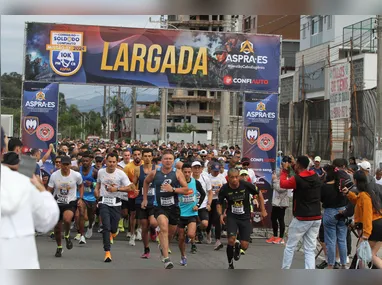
131	205
184	221
172	214
125	205
243	226
203	214
376	232
144	214
72	206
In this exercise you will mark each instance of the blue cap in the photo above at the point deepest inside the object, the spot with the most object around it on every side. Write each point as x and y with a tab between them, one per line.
215	167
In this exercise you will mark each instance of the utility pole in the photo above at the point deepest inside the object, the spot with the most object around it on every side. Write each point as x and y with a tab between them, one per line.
378	123
163	115
134	113
104	109
108	117
305	113
119	105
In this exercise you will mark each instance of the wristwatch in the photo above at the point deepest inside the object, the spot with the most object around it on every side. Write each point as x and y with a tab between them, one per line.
173	189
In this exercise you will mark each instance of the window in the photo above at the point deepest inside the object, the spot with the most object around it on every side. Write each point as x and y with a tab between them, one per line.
320	24
254	22
329	21
203	106
247	23
190	93
203	29
202	93
192	17
204	17
204	120
314	24
221	29
304	31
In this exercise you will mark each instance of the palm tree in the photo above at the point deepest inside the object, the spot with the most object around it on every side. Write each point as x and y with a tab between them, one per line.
117	110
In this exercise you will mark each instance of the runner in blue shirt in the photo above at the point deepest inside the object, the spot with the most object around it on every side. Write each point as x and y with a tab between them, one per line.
189	207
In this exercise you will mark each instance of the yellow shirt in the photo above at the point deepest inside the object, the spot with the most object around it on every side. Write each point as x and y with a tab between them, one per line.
130	170
364	212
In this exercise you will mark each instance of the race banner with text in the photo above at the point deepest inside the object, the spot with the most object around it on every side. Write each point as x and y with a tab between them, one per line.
339	91
152	57
39	117
259	144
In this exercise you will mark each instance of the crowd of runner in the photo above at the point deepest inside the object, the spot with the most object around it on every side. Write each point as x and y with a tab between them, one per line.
197	192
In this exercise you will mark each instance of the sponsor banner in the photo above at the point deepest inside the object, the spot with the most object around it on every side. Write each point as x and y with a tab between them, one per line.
260	143
39	116
152	57
339	91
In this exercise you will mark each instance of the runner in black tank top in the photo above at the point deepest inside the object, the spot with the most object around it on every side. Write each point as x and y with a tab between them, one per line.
168	184
145	216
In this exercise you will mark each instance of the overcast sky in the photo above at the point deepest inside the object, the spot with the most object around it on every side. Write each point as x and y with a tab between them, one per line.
12	42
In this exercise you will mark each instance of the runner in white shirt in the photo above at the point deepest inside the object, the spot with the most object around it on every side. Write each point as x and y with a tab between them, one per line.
205	207
63	184
378	176
217	181
126	159
111	183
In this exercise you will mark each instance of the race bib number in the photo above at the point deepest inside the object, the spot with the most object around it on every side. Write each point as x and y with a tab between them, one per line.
151	192
61	199
87	189
188	199
108	201
167	201
238	209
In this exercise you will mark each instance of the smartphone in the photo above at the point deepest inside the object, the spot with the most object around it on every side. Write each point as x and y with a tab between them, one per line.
27	165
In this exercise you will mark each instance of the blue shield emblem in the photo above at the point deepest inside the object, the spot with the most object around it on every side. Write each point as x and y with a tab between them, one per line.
252	134
66	52
30	124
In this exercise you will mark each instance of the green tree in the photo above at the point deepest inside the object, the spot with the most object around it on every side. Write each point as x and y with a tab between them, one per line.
117	110
62	107
151	111
186	128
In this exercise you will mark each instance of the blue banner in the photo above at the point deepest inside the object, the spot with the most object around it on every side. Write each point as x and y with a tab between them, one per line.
39	117
260	143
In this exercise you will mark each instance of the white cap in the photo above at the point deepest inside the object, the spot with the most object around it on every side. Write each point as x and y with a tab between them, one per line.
317	158
196	163
365	165
203	152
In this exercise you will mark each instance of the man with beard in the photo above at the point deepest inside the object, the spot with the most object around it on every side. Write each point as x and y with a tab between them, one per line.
130	171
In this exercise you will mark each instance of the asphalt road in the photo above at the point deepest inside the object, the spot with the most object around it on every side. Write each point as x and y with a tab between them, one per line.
259	255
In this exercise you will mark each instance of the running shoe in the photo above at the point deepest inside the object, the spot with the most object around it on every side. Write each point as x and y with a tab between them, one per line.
89	233
193	249
52	235
111	239
168	263
224	234
242	251
59	252
100	230
120	226
132	240
218	245
128	235
236	254
86	224
208	238
82	240
271	239
77	237
69	244
139	234
230	266
107	257
183	261
146	255
279	241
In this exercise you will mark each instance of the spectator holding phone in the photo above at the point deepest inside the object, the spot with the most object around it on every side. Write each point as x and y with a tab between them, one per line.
334	202
25	207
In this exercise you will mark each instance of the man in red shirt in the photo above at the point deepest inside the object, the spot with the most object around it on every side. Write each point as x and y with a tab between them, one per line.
306	223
